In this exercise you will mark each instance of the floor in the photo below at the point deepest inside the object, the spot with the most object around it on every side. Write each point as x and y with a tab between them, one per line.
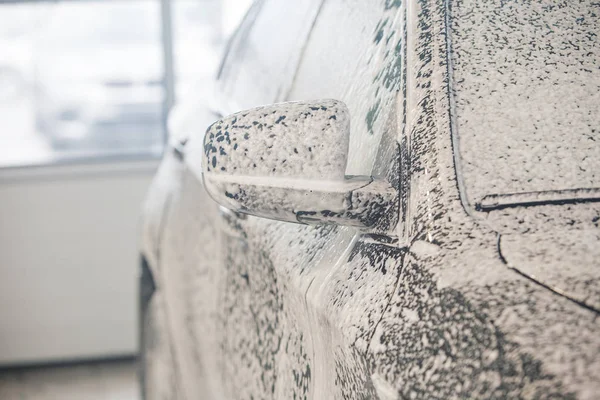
108	380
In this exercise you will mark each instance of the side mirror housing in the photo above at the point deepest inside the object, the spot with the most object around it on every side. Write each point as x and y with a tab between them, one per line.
287	162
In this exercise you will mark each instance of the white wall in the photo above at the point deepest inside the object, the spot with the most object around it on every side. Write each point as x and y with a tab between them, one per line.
68	261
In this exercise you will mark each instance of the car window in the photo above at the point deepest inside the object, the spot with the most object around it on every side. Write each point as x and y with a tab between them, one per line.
263	55
355	54
526	85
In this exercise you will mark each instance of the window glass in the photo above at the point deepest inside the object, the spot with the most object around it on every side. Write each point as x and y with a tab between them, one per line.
355	54
197	45
262	59
80	80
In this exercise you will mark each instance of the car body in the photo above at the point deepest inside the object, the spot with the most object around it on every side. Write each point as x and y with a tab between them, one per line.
485	282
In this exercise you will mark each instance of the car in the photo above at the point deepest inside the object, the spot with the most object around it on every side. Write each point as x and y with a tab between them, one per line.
382	200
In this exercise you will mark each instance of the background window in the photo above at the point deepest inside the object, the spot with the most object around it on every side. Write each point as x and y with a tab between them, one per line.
94	79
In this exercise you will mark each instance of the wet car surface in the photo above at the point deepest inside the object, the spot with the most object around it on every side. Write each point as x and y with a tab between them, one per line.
481	283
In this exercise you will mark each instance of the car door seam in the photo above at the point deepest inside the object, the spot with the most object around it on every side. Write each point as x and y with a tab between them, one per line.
387	306
160	238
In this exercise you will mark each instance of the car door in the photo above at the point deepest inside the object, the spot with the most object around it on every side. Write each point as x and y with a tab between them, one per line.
184	256
298	304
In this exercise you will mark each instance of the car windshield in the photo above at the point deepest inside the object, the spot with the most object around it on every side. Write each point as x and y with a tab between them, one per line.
526	87
106	23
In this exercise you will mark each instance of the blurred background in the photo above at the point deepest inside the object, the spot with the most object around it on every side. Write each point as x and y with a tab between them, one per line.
85	90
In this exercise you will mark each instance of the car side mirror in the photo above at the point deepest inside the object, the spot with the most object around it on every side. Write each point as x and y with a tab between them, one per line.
287	162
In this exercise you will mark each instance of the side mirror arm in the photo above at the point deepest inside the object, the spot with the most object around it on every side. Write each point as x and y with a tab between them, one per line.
357	201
